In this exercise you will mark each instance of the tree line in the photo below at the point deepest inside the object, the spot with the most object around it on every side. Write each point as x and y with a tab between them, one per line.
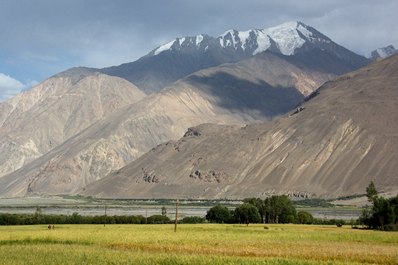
75	218
382	215
272	210
275	209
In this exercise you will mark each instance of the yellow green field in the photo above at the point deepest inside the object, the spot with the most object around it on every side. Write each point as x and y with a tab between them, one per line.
195	244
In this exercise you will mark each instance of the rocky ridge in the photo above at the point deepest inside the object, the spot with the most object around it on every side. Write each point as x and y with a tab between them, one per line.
36	121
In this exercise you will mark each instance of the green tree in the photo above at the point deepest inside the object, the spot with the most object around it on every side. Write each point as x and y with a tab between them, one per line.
247	213
164	211
304	217
38	217
218	214
260	206
371	192
279	209
158	219
383	213
365	217
76	218
268	216
287	212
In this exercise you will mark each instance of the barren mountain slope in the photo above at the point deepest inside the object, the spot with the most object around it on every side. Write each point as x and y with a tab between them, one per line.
337	142
36	121
255	89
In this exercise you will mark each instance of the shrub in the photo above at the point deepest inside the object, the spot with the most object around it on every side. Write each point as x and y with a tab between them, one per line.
158	219
304	217
193	220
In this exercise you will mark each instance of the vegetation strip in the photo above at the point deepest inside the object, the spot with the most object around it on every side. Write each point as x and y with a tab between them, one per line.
41	241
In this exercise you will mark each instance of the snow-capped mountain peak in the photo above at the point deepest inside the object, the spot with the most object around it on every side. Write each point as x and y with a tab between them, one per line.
178	43
285	39
384	52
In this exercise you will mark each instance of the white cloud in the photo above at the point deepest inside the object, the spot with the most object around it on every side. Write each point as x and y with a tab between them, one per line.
9	86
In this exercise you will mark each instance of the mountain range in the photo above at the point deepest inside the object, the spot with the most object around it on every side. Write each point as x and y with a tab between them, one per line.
85	124
341	138
183	56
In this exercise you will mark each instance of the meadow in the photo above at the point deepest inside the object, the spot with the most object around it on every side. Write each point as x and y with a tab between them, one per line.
196	244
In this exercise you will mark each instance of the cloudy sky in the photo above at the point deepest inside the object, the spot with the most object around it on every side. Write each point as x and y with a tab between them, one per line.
42	37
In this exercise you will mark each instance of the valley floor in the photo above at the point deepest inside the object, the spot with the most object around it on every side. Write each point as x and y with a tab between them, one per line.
196	244
87	206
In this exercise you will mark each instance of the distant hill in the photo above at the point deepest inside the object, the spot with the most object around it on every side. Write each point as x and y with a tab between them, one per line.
38	120
382	53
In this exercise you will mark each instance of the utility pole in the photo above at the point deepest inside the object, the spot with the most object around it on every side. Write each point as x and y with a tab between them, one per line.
176	220
105	215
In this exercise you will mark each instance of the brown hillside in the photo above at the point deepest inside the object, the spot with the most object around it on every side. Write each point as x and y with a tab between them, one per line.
344	137
253	90
36	121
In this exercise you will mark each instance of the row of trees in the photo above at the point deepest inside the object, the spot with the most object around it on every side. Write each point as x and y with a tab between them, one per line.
75	218
383	213
275	209
245	213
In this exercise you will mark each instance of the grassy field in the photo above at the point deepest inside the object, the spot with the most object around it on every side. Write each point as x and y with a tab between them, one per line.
196	244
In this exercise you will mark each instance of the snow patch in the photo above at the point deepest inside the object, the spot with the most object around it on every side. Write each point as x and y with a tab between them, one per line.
386	51
286	37
244	36
305	31
233	39
164	47
382	52
226	43
181	41
199	39
263	42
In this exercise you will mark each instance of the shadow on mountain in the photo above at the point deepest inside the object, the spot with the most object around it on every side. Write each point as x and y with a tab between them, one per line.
254	97
152	74
325	61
